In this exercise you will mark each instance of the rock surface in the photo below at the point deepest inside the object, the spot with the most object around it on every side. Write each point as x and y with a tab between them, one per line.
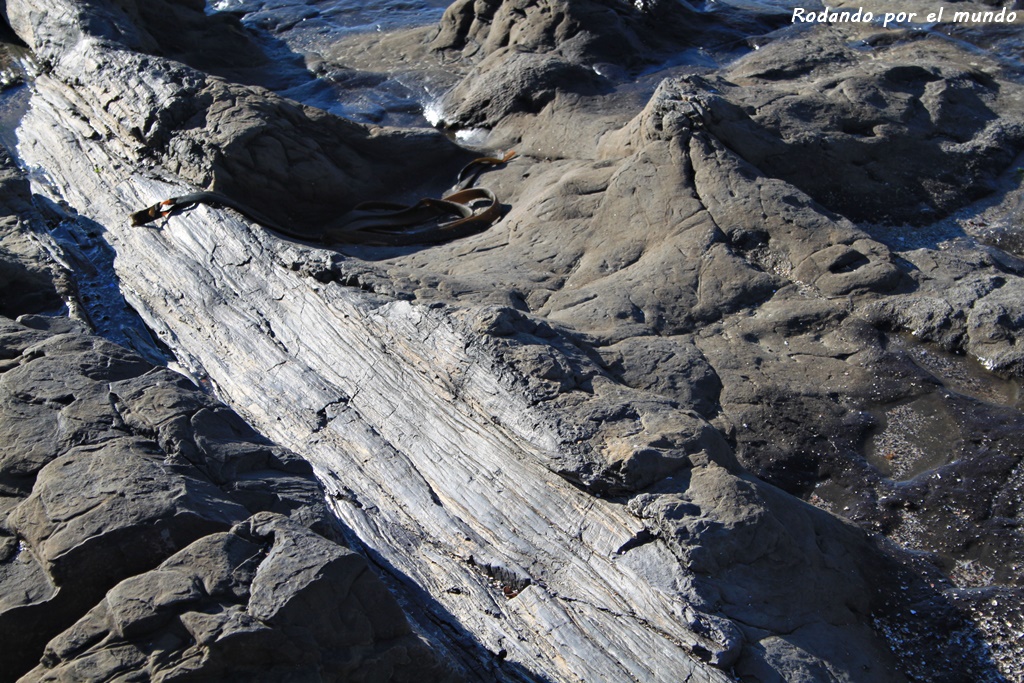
266	601
146	530
576	444
115	467
27	285
903	133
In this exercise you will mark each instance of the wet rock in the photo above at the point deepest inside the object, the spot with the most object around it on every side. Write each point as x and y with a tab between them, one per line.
966	301
994	326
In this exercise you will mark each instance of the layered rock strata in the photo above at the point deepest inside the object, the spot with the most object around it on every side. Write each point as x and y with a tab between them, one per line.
166	536
146	531
544	434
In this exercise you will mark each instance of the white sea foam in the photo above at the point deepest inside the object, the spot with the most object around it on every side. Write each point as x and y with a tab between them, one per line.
472	137
433	112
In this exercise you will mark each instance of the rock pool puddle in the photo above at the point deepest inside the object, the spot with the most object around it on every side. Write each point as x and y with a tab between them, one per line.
913	437
961	374
922	434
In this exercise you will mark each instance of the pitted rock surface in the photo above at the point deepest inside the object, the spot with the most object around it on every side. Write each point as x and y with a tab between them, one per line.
583	443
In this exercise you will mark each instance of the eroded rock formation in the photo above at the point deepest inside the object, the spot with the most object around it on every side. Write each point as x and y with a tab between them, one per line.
147	531
575	444
127	489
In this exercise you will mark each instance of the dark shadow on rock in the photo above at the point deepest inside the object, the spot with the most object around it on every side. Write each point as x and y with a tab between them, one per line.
25	289
477	663
26	285
798	587
371	253
85	249
7	35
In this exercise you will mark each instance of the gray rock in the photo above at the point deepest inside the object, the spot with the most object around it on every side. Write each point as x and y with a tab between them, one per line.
669	366
740	537
597	32
994	327
220	135
545	432
113	466
509	82
905	135
966	301
594	29
28	283
267	601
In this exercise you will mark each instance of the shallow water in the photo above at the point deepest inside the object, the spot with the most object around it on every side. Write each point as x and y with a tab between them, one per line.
308	30
310	18
916	436
13	105
960	373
